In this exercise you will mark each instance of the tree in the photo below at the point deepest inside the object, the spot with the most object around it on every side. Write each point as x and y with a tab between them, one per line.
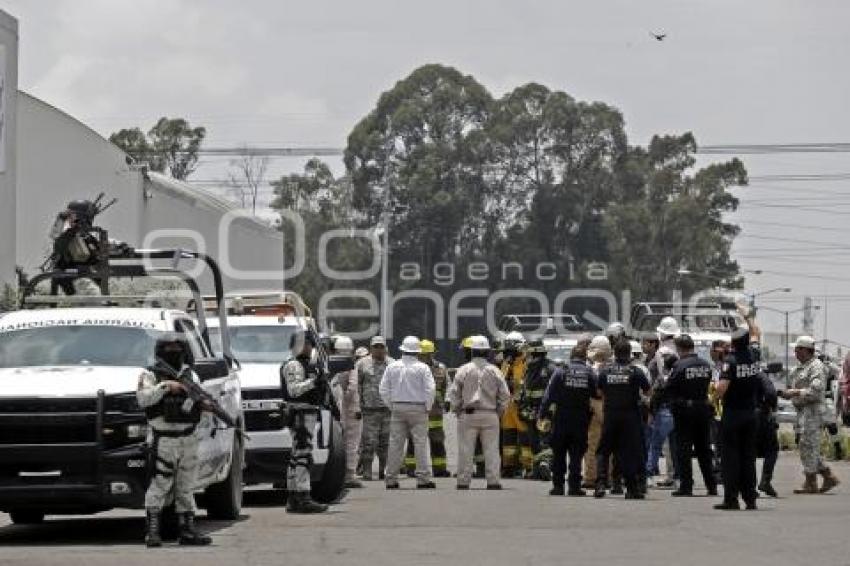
667	220
248	176
171	144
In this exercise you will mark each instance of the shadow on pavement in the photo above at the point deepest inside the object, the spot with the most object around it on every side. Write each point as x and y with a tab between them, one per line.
264	498
87	531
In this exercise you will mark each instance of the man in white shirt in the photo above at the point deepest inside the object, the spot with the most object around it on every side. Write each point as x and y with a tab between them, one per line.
408	388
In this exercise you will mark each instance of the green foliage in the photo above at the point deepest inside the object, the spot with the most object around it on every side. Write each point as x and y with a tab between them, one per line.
534	176
170	145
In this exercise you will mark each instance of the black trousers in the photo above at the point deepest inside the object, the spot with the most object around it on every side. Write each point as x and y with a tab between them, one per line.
738	430
621	436
693	437
767	445
568	438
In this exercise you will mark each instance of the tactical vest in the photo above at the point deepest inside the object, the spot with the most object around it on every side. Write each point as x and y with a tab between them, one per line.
172	408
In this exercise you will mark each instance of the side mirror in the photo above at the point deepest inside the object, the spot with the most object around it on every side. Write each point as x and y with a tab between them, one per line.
775	367
211	368
338	364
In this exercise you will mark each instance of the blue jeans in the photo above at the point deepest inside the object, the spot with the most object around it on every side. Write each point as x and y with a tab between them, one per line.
662	426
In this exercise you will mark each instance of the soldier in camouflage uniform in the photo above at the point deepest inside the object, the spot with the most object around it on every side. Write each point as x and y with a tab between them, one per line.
808	383
376	415
173	419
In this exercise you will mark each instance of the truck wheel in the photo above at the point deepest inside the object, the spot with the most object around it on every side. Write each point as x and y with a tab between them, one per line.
330	487
26	517
224	499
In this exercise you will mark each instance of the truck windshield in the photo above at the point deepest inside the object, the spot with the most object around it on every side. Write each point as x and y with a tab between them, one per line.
77	345
256	344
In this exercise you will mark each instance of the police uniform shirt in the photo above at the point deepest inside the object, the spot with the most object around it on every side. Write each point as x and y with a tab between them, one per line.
690	379
621	385
742	372
571	389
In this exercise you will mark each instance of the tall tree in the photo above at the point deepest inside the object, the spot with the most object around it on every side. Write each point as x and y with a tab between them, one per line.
668	219
171	145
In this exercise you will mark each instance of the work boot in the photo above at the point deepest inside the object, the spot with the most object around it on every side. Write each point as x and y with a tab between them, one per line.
711	491
682	492
829	481
576	492
617	488
494	486
441	473
728	506
810	485
189	535
751	505
152	536
767	488
392	485
301	503
557	490
630	494
599	492
426	485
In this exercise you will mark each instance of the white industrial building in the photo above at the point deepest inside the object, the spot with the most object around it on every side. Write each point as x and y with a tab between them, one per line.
49	158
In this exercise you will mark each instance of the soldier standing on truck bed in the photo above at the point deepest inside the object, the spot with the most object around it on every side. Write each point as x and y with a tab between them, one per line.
172	418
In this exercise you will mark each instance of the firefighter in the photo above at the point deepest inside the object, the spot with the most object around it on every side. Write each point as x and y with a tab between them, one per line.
513	370
538	372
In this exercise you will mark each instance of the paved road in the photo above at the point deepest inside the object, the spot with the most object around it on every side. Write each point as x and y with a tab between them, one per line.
520	525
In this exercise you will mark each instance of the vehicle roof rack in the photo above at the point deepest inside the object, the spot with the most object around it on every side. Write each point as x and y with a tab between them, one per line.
263	303
126	262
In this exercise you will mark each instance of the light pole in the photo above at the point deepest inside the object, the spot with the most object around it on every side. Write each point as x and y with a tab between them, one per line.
787	337
768	292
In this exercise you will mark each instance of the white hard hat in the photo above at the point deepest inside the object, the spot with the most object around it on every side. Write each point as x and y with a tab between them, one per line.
668	327
636	349
615	329
805	342
361	352
410	345
344	345
515	336
480	343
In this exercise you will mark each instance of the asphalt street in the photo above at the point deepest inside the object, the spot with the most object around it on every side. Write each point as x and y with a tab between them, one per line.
520	525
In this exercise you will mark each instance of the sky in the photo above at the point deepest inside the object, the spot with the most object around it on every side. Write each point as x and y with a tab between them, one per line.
303	73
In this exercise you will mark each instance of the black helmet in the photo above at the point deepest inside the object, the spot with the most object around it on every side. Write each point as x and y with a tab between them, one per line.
84	209
173	350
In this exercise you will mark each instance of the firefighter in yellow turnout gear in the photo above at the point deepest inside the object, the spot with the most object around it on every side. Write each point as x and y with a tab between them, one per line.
517	456
436	434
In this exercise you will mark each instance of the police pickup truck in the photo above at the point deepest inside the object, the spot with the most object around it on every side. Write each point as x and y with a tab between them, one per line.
73	439
260	326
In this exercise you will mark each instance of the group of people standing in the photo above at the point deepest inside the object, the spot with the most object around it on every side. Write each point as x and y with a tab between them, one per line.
600	421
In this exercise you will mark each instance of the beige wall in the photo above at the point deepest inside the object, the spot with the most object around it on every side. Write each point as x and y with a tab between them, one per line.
9	43
60	159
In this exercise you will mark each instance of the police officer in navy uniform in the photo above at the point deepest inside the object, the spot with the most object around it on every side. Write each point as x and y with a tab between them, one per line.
738	389
687	389
568	397
620	384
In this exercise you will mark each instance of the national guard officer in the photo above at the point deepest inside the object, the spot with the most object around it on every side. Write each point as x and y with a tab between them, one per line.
621	384
568	397
687	389
376	415
808	384
300	378
173	419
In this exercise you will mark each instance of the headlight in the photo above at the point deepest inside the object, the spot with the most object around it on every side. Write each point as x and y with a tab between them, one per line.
137	431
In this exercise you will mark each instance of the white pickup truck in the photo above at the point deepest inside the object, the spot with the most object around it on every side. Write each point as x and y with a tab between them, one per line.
260	326
73	439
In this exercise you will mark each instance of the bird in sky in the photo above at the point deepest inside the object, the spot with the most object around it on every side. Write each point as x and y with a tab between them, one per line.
658	36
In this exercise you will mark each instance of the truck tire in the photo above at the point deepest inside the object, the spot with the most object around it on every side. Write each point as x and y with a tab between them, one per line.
224	499
330	487
26	516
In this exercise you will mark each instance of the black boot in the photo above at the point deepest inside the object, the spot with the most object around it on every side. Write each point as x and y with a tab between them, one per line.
152	536
189	535
617	487
599	492
766	487
301	503
557	489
